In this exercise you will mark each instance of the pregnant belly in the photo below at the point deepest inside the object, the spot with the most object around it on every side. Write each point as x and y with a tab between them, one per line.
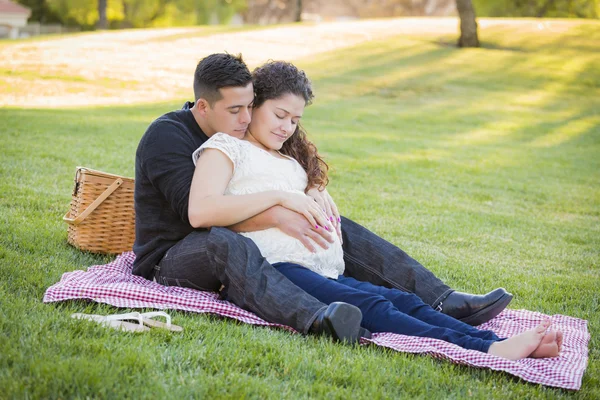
276	247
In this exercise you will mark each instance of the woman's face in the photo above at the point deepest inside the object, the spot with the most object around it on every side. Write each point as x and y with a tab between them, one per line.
275	121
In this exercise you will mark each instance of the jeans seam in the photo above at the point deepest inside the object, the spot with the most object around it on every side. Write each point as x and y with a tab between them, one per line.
177	255
439	300
383	278
231	282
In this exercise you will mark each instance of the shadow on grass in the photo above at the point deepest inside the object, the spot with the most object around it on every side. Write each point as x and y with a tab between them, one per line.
475	87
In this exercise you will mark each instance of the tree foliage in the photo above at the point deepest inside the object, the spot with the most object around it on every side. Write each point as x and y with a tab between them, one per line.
133	13
538	8
41	11
148	13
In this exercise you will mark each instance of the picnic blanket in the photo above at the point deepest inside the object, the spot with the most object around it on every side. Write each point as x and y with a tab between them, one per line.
115	284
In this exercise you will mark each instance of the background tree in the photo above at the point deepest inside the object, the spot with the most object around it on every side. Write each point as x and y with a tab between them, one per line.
82	13
468	24
538	8
101	14
102	21
142	13
41	11
269	11
298	17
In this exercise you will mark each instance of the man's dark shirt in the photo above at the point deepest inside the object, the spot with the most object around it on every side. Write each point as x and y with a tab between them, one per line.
163	175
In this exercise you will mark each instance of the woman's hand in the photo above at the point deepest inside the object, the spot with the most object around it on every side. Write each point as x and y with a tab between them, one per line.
325	201
295	225
308	207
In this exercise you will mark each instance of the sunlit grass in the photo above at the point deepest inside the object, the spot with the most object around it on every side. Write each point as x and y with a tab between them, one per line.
483	164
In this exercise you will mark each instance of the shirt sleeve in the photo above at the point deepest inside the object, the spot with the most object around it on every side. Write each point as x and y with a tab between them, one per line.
228	145
165	160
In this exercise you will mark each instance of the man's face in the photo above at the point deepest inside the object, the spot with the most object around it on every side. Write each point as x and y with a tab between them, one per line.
231	114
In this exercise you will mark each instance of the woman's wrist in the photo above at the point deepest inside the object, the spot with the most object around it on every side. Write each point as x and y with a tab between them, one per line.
280	197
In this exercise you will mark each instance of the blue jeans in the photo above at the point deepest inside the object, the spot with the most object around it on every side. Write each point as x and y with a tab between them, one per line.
389	310
209	259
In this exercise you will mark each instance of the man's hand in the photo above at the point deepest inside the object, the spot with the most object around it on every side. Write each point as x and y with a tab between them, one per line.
326	203
297	226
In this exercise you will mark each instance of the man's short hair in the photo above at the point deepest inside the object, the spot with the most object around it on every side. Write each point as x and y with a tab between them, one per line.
218	71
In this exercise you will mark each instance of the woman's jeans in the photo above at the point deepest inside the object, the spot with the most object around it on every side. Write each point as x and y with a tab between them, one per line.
210	259
389	310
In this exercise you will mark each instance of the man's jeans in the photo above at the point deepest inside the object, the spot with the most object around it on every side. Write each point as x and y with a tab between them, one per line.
207	260
369	258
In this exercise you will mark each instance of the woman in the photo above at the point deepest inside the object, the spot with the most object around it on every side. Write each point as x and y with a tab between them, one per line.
273	165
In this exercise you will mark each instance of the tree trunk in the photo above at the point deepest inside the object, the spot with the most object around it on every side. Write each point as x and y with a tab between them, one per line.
468	25
298	16
542	11
102	22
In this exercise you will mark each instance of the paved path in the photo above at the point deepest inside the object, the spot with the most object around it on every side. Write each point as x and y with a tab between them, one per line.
150	65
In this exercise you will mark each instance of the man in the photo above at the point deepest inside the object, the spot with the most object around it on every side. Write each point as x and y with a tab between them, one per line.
169	250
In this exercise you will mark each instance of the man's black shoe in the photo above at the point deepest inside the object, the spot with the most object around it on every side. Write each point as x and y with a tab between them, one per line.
341	321
364	333
475	309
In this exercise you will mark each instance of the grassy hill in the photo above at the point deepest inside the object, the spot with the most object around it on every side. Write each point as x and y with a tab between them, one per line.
483	164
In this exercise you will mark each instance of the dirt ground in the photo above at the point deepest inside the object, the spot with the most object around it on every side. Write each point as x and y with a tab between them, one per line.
153	65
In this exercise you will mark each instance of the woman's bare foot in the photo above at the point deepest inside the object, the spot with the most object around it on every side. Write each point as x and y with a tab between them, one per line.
559	340
549	346
521	345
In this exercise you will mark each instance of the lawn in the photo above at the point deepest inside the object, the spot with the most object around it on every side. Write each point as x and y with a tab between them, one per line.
484	164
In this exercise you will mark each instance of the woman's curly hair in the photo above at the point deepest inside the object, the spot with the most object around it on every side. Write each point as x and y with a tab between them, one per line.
278	78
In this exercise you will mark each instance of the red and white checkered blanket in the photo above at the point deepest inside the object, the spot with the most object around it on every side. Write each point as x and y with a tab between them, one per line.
114	284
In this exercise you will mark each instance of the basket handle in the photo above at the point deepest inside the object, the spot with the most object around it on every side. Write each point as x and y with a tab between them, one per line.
109	190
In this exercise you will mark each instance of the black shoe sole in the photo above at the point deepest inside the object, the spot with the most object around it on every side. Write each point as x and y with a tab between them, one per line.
364	333
344	323
489	312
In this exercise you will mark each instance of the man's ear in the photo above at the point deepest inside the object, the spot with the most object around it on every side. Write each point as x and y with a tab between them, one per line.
202	106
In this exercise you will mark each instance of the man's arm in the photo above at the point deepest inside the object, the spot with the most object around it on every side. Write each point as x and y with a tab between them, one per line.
164	158
290	223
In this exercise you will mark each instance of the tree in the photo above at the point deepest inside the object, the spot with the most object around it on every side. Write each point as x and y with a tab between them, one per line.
82	13
102	21
538	8
40	11
468	25
269	11
298	16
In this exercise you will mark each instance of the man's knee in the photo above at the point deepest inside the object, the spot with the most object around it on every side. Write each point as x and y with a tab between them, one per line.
223	237
226	240
226	244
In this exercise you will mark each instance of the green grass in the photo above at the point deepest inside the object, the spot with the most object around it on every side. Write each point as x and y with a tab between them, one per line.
484	164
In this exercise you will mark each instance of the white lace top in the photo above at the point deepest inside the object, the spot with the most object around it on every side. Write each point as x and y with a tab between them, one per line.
255	170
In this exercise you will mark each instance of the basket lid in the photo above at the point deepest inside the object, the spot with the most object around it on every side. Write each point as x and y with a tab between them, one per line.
89	171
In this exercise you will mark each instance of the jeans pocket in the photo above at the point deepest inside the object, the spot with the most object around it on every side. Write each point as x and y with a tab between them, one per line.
179	282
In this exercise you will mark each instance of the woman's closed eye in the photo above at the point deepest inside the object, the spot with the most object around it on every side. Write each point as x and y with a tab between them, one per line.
294	122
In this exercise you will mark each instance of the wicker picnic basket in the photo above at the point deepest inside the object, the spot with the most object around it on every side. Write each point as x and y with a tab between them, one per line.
102	217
